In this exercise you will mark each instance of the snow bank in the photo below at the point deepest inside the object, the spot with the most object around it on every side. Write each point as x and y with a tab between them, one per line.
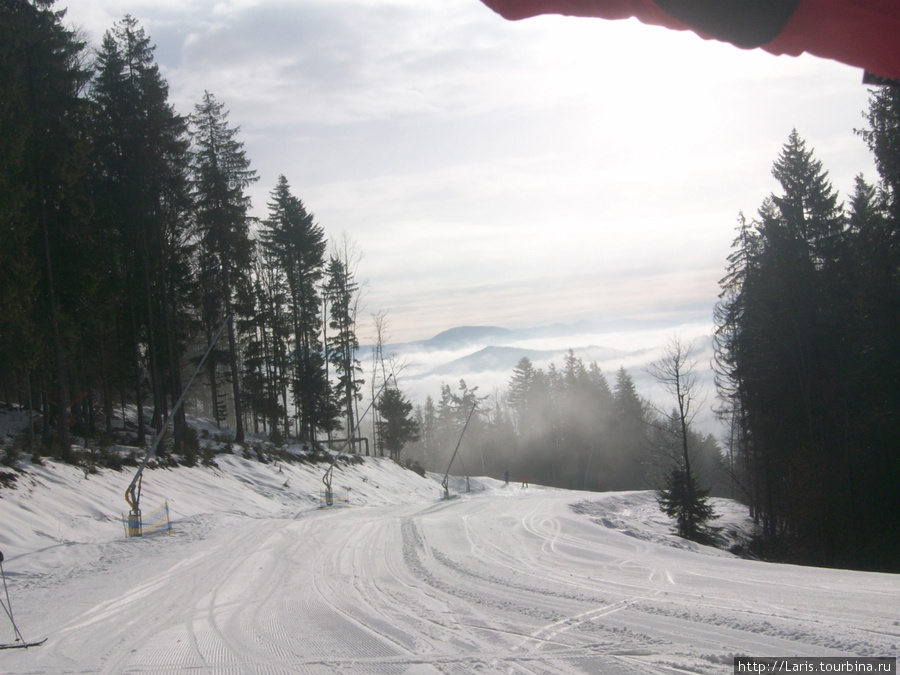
57	505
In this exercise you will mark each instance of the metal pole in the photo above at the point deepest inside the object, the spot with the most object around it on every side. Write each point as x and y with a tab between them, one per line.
133	493
326	479
444	483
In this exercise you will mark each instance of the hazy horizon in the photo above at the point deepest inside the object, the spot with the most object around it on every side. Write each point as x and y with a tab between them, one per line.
504	173
423	370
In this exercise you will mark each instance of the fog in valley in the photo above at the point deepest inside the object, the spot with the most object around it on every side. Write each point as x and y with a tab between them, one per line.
590	417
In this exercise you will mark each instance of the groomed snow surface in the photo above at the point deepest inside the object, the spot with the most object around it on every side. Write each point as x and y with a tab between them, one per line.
256	578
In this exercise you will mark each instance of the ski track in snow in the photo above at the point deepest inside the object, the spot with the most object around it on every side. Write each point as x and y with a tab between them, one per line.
505	580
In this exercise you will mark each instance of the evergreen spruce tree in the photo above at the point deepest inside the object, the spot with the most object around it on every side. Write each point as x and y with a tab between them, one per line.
628	434
428	430
265	357
396	427
883	138
808	206
727	343
806	348
141	191
221	175
522	395
19	343
296	244
276	333
342	293
45	205
874	396
687	502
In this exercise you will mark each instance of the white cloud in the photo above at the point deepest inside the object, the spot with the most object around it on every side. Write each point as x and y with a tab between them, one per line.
505	172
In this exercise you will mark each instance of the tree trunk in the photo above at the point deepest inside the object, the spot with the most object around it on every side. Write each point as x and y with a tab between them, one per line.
213	384
180	422
236	386
30	412
62	391
160	411
136	365
104	383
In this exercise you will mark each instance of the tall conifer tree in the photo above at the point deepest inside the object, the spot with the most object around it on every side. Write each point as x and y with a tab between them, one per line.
42	195
221	177
141	190
297	246
342	293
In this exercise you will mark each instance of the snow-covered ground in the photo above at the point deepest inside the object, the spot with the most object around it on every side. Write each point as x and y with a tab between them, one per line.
256	578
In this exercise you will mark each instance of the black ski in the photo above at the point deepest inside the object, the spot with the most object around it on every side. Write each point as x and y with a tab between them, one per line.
23	645
21	642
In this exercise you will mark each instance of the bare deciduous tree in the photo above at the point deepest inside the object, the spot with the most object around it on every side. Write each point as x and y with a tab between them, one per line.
676	372
682	497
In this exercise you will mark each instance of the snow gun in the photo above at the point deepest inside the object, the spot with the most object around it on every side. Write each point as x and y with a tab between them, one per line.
445	483
326	479
133	492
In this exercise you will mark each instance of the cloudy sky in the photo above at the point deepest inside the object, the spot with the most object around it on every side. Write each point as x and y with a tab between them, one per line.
499	173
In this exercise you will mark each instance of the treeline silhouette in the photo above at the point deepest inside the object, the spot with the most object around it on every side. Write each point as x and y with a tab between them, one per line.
808	354
126	244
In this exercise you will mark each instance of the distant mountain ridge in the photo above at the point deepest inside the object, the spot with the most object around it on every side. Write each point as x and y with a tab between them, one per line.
506	358
485	356
471	350
460	336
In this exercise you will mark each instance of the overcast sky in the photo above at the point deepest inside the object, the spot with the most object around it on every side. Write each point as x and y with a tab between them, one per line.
498	173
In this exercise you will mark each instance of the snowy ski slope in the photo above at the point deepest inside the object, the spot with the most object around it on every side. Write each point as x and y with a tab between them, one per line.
257	579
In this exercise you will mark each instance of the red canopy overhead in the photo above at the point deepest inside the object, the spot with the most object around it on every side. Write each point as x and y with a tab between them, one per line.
862	33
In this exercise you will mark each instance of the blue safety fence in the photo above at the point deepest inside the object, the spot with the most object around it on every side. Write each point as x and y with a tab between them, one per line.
457	485
155	522
329	499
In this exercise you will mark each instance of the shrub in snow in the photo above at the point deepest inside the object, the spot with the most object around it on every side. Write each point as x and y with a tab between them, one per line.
684	500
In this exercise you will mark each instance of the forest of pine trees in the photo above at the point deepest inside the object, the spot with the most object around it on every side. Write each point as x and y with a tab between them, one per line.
127	242
808	356
563	427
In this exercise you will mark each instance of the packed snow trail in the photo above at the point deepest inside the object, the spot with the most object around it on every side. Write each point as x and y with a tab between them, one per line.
501	581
